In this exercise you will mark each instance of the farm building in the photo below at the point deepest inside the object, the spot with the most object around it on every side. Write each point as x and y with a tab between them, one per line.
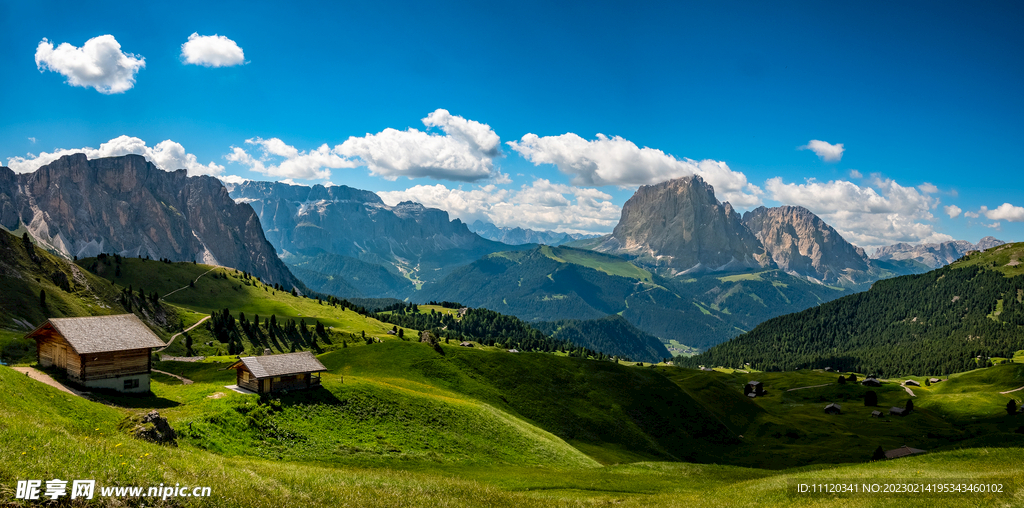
273	373
870	381
707	369
902	451
898	411
756	387
911	382
466	344
934	380
100	351
876	414
833	409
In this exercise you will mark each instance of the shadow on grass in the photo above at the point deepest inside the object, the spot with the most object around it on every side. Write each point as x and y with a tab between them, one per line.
316	395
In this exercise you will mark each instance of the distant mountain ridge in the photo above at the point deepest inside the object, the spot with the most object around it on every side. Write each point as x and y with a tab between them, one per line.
126	205
521	236
934	255
357	231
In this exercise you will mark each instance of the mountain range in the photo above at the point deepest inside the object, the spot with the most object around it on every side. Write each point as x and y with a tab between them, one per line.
934	255
79	207
521	236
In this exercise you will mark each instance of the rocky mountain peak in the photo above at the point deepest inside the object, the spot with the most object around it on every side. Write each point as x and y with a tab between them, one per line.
681	225
803	244
126	205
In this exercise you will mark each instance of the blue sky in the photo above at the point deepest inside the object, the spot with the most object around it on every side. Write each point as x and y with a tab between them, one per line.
924	98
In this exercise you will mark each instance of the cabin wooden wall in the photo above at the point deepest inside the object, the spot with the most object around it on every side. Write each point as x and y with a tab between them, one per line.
114	364
53	351
251	384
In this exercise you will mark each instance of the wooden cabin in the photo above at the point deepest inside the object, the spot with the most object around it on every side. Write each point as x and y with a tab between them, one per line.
273	373
100	351
833	409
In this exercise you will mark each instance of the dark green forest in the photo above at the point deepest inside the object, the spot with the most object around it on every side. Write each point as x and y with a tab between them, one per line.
948	320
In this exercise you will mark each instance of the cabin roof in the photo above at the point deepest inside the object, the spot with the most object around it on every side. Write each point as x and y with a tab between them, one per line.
101	334
902	451
280	365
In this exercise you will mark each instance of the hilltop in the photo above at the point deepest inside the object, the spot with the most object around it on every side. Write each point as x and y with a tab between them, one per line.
947	320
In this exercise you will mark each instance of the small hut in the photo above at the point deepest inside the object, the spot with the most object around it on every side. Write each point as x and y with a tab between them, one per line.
100	351
897	411
903	451
911	382
756	387
466	344
833	409
272	373
876	414
870	381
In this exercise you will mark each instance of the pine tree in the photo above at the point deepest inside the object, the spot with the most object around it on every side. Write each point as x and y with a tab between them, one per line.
1011	407
879	454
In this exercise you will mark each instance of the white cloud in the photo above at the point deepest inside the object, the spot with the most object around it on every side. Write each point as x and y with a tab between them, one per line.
540	205
972	215
99	64
33	140
866	216
617	161
1006	212
928	188
825	150
211	51
994	225
311	165
953	211
464	153
167	155
856	174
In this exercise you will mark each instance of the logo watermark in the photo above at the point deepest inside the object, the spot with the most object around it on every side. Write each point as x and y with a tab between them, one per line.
56	488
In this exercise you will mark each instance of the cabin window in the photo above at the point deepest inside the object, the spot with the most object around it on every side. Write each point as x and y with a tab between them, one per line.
245	376
276	379
131	383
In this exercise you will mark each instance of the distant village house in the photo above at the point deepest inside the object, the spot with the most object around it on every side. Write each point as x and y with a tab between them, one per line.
833	409
898	411
273	373
110	352
870	381
902	451
911	382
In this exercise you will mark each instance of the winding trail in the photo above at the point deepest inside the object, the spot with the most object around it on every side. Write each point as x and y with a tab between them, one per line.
907	388
45	379
805	387
193	282
175	336
1011	391
184	381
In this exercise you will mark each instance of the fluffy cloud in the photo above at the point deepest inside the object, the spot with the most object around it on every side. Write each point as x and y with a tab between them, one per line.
617	161
856	174
867	216
314	164
825	150
464	153
928	188
1006	212
953	211
99	64
167	155
540	205
211	51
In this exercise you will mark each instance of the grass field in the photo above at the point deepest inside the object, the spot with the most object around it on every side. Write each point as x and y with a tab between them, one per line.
610	265
48	434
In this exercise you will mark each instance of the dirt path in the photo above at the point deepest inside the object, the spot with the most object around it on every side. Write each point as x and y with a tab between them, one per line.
184	381
805	387
193	282
43	378
907	388
1011	391
175	336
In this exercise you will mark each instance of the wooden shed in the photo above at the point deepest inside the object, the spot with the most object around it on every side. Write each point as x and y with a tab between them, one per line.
100	351
272	373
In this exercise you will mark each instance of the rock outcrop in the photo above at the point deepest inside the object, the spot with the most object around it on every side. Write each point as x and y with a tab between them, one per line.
802	244
126	205
681	226
934	255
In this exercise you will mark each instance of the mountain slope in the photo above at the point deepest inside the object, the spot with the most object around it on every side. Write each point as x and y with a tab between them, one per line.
611	335
555	283
126	205
681	226
410	240
947	320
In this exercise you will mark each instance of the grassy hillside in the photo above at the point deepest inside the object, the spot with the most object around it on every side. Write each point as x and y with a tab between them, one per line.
612	335
26	271
948	320
45	433
555	283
